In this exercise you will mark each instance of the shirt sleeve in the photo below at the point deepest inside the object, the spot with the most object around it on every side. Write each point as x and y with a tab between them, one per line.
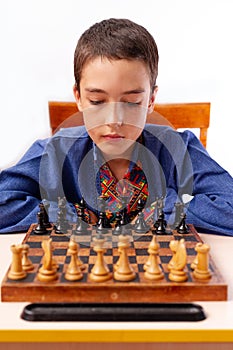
211	208
20	191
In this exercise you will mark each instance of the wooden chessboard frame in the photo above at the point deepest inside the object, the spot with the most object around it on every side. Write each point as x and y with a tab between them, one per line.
139	290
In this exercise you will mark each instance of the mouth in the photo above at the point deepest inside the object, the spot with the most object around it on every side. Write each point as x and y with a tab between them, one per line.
113	137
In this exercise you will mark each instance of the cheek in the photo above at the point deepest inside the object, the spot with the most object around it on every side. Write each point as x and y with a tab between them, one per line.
93	133
132	132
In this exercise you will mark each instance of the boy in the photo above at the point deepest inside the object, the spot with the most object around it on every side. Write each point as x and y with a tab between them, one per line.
116	156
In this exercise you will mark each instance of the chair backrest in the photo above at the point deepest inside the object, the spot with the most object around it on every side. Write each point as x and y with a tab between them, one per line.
177	115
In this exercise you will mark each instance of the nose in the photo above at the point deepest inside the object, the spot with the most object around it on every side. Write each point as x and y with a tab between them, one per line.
114	114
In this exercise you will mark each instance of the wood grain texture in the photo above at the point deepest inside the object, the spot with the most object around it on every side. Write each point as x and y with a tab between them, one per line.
116	346
139	290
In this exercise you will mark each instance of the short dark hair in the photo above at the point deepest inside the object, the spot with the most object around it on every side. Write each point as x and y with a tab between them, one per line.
116	39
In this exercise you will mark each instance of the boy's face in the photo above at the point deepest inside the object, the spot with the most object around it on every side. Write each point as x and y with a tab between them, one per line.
115	98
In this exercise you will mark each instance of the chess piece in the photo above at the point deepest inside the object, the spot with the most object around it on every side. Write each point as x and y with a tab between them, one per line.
73	272
118	228
202	271
125	197
103	210
153	271
140	225
26	262
177	273
182	227
62	224
79	261
124	271
82	225
60	227
179	209
40	228
159	206
16	271
152	244
173	245
47	272
194	262
100	227
55	265
161	223
44	207
100	271
118	262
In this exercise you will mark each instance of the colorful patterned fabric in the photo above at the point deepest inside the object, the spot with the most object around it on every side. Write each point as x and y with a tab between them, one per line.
133	186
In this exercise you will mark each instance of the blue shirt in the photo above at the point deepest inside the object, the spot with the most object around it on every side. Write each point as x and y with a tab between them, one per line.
175	164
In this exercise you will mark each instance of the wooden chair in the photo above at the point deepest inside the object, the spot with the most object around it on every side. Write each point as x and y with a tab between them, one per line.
177	115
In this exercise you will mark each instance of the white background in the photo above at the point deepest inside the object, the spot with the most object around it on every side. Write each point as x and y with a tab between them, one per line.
38	39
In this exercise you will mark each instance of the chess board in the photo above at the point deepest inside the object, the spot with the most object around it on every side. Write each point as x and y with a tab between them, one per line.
140	290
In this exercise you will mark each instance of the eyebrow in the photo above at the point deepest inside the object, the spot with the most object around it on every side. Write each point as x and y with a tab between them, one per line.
130	92
136	91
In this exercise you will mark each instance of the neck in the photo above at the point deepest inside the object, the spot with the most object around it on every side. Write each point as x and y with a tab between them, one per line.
118	167
119	164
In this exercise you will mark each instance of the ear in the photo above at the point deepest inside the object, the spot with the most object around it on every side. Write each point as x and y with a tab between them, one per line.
152	100
77	97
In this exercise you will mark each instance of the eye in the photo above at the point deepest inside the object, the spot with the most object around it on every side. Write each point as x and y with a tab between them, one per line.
133	104
96	102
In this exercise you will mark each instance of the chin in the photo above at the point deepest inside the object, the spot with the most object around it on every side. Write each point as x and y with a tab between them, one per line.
116	149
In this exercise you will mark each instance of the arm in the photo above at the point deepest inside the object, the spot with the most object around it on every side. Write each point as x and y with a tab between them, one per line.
20	192
42	173
187	168
212	205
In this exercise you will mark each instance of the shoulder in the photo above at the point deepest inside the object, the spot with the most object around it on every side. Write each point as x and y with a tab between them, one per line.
169	136
165	142
62	141
77	132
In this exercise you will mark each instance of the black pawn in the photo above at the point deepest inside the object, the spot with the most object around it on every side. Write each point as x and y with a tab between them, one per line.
161	224
40	228
140	225
103	207
118	228
183	228
101	224
82	226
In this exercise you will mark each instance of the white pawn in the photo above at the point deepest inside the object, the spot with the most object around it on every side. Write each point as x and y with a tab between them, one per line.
73	272
100	271
79	261
152	244
26	262
195	261
153	271
124	271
